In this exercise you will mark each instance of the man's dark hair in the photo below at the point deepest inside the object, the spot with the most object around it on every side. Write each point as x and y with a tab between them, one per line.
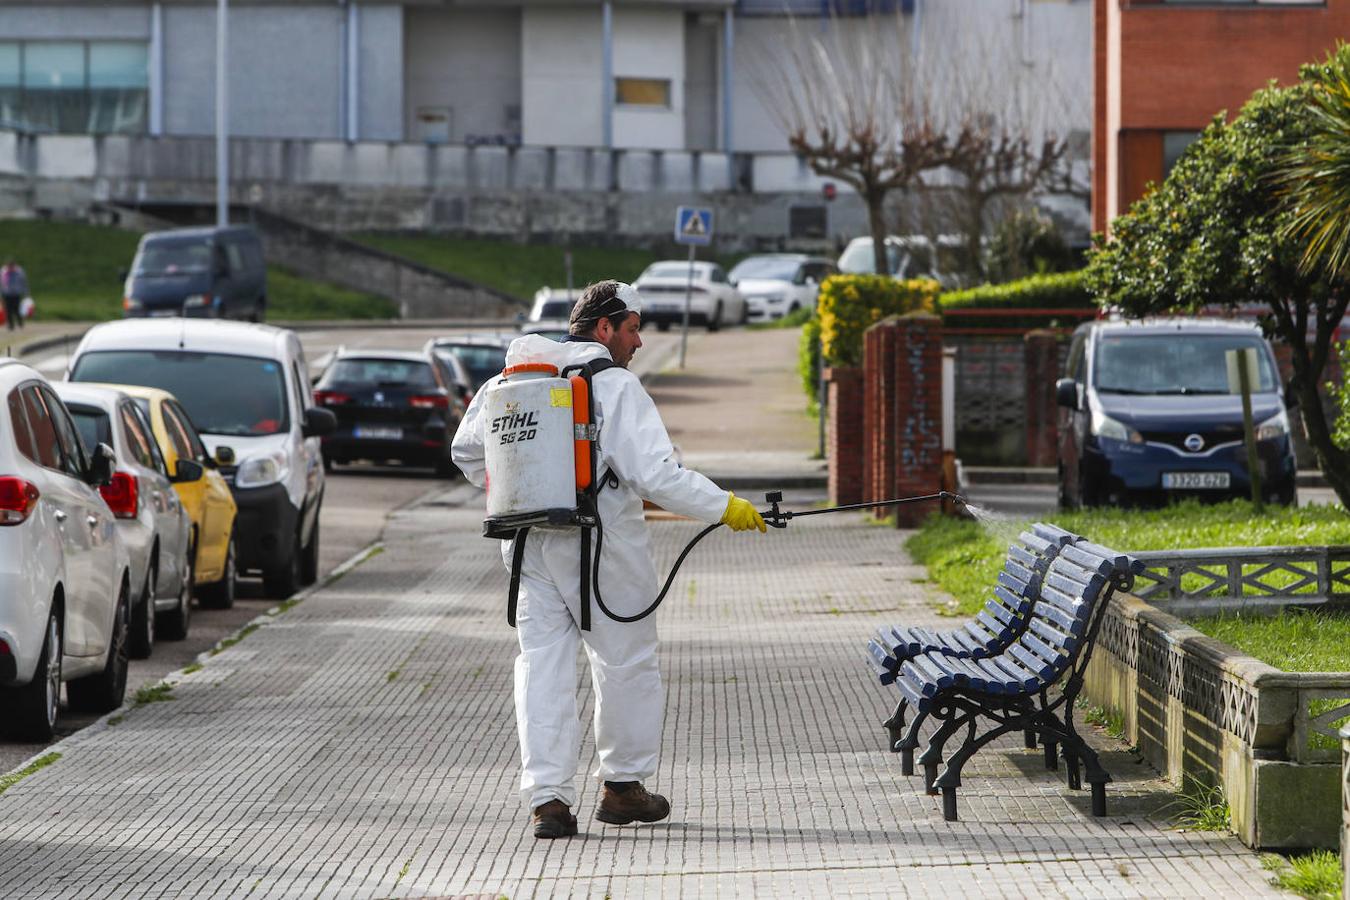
598	301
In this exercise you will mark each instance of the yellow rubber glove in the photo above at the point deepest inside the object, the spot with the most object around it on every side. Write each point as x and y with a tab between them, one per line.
741	516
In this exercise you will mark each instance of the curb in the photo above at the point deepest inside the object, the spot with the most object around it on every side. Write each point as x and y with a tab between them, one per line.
979	475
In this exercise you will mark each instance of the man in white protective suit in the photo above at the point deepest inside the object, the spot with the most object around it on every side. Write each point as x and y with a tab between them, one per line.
629	698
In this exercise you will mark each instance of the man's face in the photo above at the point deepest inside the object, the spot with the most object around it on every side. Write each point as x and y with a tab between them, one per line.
624	341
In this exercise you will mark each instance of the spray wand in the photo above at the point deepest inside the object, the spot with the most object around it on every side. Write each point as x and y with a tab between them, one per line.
773	517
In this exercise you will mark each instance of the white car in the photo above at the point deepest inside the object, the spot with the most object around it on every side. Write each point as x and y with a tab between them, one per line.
553	304
247	390
908	256
776	284
65	584
154	525
713	300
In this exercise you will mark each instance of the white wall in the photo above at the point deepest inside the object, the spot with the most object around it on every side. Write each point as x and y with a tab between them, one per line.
381	72
467	60
650	44
561	76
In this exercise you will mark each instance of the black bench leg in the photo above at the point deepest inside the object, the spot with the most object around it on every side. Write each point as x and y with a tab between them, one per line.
1098	798
909	743
1051	754
895	727
1029	738
949	804
932	757
1072	774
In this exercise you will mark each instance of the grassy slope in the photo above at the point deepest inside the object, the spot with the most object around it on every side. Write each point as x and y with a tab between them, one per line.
74	272
963	558
518	269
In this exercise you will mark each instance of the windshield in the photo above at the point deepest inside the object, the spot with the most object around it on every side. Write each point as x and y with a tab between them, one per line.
857	259
672	270
482	361
556	309
766	267
174	257
231	395
92	424
1176	363
380	373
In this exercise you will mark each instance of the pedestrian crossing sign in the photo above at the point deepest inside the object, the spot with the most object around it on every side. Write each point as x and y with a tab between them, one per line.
694	225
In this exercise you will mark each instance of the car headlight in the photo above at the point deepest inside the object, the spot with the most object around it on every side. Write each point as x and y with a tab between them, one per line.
196	300
262	470
1276	426
130	303
1107	427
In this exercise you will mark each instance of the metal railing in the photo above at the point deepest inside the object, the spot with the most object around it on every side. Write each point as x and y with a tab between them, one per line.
1217	579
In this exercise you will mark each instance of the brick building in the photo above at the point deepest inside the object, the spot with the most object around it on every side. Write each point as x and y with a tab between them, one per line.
1163	68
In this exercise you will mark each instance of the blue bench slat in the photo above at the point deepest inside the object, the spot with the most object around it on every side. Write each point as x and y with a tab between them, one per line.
1045	651
1024	556
1122	562
1052	596
973	639
1000	613
1018	677
1055	639
992	678
1055	534
995	627
925	670
882	656
1070	583
1018	571
1086	559
1042	669
1015	585
910	688
903	643
1017	602
875	661
1062	620
1039	545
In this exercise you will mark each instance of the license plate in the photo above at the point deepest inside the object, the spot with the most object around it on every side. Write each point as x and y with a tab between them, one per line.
379	434
1195	480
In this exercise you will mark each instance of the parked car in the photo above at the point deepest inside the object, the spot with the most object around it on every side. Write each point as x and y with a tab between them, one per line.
150	519
246	389
909	256
484	354
553	304
713	301
391	406
211	272
554	331
209	504
776	284
1146	415
65	584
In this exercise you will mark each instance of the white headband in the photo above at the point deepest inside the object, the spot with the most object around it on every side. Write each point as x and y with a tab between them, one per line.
632	300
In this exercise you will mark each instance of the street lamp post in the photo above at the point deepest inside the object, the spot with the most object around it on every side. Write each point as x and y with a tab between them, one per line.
222	118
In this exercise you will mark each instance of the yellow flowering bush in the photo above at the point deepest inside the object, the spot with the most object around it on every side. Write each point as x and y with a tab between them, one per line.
851	304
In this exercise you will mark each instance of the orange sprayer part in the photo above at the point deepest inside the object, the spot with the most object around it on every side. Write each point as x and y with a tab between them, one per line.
581	415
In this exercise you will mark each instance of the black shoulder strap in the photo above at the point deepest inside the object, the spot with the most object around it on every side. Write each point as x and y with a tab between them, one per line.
600	364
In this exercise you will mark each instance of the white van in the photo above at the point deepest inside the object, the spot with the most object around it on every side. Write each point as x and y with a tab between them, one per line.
247	390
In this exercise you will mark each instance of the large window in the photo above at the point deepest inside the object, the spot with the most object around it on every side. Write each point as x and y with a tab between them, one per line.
76	87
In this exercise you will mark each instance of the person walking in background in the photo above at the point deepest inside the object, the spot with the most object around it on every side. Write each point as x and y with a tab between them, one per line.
13	288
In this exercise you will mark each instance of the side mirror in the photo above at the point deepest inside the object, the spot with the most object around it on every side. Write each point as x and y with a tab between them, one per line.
318	422
1066	393
101	464
187	471
225	456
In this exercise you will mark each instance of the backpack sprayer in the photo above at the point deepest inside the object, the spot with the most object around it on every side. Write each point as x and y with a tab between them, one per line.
533	412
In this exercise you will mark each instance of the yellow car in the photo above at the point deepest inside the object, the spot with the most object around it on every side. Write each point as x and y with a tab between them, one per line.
208	500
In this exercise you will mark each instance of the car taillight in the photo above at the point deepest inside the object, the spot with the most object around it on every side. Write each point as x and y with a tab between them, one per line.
122	495
331	398
17	500
430	401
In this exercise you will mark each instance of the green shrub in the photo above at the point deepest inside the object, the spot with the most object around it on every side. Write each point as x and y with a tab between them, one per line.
851	304
808	362
1065	290
1024	244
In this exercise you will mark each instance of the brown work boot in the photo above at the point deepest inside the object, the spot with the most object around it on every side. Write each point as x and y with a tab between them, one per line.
554	820
628	801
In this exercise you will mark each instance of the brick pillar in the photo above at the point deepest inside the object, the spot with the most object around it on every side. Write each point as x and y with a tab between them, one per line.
844	434
1042	418
918	413
879	426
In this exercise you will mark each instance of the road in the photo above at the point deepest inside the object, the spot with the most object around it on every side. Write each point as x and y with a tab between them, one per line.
357	501
1031	500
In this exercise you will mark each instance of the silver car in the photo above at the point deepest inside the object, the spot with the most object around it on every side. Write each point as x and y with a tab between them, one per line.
151	521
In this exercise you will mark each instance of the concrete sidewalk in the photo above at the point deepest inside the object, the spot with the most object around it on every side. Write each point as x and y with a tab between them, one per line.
363	745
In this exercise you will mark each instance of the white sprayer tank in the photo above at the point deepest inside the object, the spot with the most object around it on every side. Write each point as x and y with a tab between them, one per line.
529	442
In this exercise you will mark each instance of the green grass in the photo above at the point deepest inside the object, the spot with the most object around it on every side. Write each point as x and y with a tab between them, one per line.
520	269
1110	721
159	692
1316	875
1201	807
13	778
1293	641
963	557
74	272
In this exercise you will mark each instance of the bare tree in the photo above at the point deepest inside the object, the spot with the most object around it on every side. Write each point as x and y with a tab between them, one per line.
851	98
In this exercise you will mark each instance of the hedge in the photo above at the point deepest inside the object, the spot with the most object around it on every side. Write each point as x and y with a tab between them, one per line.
851	304
1063	290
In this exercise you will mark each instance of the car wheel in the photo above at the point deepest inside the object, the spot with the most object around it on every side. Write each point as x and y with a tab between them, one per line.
142	637
663	325
28	712
309	559
715	320
173	625
105	691
285	579
220	595
745	314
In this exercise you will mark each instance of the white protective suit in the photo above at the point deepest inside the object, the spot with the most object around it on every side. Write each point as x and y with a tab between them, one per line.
624	672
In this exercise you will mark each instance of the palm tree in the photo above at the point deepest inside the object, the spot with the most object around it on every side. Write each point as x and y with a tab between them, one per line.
1314	177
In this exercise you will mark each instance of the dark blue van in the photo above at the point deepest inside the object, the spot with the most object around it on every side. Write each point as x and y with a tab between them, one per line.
1146	415
208	272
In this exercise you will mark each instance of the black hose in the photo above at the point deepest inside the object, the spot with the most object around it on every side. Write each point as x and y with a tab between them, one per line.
679	561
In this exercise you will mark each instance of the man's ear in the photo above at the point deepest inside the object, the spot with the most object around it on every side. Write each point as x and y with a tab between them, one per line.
604	330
